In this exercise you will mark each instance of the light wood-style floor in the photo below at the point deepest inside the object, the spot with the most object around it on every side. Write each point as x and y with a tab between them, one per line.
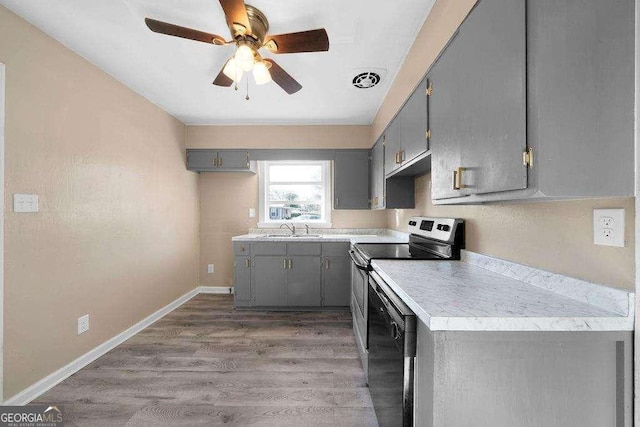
208	364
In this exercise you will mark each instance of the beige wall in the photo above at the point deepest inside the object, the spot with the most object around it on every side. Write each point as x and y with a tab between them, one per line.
553	236
117	232
278	136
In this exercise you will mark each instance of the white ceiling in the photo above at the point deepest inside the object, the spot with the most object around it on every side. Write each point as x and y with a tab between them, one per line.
176	74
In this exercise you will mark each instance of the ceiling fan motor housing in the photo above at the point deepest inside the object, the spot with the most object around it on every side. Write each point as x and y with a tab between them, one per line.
259	25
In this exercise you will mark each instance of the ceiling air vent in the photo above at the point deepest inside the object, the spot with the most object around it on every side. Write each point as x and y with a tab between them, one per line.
366	80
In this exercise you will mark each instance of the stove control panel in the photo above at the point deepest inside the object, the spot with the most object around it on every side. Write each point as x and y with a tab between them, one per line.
443	229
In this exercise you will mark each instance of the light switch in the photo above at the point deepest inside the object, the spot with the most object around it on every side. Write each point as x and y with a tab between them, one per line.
252	213
25	203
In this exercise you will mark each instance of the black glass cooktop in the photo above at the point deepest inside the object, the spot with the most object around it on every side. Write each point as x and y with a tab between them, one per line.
394	251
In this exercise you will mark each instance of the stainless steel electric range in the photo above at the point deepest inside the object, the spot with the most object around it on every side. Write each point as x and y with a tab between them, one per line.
391	325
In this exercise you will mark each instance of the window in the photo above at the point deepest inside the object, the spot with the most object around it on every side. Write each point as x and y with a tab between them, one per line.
295	191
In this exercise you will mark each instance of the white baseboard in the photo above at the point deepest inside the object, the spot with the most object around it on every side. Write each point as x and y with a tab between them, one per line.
37	389
227	290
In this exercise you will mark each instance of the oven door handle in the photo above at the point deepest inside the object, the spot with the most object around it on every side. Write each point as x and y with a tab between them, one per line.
359	265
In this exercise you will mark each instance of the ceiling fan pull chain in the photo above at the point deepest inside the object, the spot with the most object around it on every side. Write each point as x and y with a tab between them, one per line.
247	98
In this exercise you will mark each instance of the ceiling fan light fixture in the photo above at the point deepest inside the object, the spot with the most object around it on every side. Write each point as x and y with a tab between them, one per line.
261	73
233	70
245	57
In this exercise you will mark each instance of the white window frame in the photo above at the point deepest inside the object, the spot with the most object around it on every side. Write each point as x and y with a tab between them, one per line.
263	178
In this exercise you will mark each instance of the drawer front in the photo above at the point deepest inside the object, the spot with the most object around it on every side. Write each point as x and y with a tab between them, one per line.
242	248
269	248
304	248
336	249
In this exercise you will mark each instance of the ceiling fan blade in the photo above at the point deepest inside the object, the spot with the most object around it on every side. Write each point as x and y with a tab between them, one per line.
282	78
236	13
222	79
304	41
184	32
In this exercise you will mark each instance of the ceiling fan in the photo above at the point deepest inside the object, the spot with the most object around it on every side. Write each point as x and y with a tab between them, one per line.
249	27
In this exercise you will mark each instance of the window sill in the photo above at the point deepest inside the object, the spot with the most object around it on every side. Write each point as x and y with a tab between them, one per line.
277	224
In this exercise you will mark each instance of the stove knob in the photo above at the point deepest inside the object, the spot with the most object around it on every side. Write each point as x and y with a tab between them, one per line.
444	227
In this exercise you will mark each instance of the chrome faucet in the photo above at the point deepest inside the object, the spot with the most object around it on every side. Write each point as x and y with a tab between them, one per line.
292	228
307	227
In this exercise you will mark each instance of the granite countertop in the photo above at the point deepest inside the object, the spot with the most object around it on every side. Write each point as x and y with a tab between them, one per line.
458	295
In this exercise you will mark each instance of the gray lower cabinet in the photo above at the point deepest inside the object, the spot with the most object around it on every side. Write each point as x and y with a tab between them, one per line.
291	274
524	379
336	284
351	179
242	275
477	110
269	280
304	281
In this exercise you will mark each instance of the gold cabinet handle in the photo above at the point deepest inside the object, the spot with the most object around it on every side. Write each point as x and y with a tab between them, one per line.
220	162
246	262
284	264
457	179
215	162
290	263
326	264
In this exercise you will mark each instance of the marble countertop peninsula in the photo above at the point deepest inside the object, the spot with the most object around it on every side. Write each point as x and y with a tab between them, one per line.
352	235
481	293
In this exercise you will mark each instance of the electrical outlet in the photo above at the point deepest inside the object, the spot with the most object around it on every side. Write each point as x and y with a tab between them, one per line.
608	227
83	324
210	268
252	213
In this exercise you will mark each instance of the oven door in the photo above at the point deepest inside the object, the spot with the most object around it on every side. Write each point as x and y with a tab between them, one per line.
390	362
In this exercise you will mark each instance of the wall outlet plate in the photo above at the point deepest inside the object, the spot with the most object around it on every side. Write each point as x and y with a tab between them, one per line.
210	268
83	324
25	203
608	227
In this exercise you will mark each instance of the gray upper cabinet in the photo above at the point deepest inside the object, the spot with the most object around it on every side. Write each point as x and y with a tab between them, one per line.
351	179
392	146
579	108
414	124
477	109
376	175
199	160
581	99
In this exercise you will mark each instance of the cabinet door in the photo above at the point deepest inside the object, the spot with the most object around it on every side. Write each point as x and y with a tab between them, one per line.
377	175
242	276
269	281
336	279
202	160
391	146
351	179
413	123
233	159
477	111
304	281
580	77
